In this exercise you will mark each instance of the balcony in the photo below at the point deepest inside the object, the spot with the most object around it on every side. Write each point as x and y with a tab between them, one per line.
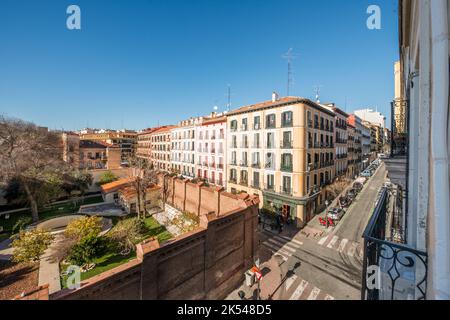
243	182
255	184
243	164
233	180
286	144
256	165
286	168
269	187
401	269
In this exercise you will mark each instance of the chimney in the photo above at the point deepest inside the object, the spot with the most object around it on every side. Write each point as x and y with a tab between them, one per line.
274	96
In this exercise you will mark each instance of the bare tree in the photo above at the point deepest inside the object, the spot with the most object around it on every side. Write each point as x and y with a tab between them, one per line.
31	155
144	177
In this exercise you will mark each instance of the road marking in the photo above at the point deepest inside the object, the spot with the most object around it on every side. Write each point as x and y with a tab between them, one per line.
323	240
299	243
342	245
290	281
314	293
332	242
328	297
283	245
352	249
277	249
298	292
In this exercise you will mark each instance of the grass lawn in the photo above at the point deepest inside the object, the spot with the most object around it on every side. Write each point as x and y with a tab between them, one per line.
104	263
44	213
111	260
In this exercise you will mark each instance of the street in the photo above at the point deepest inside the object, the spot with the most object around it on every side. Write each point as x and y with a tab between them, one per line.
319	264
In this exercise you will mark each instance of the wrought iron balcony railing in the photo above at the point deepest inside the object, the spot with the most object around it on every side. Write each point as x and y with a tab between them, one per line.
391	271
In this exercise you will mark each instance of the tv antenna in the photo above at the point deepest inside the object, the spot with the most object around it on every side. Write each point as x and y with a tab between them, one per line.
228	98
289	56
317	91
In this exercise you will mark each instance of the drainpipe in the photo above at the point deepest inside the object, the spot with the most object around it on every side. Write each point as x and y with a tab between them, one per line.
439	259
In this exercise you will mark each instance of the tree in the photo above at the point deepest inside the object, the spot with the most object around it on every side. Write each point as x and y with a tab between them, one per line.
31	155
84	227
107	177
30	245
144	177
76	180
126	233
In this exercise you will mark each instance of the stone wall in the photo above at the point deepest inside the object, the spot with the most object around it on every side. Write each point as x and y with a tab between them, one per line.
206	263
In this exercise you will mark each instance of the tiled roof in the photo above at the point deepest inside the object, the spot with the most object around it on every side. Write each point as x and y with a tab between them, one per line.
89	144
116	185
164	129
210	121
278	103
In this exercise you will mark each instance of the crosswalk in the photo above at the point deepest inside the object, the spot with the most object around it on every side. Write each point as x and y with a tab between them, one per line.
344	246
305	290
282	246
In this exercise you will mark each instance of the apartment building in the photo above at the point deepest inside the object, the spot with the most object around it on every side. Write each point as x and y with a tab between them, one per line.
372	116
362	141
283	151
341	137
183	139
144	144
126	140
90	155
161	148
354	151
211	149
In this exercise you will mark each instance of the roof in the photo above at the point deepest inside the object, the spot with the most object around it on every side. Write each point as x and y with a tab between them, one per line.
210	121
335	109
89	144
116	185
130	193
285	101
164	129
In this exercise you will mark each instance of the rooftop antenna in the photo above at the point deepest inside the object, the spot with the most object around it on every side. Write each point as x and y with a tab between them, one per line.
317	91
289	56
228	98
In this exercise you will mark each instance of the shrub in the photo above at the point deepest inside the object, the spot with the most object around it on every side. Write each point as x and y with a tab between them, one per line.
21	223
84	227
86	250
107	177
30	245
126	233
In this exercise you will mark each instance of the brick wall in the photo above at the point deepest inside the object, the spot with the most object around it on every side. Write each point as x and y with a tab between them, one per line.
204	264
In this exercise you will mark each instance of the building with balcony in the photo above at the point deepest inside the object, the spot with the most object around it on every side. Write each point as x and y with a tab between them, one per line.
126	140
184	141
371	116
354	157
144	144
407	243
161	148
283	151
362	141
211	149
90	155
340	138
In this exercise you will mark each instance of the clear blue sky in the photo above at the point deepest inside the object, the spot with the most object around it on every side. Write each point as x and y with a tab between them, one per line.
139	63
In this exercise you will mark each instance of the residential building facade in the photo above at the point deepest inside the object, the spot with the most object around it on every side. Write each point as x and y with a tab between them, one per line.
126	140
283	151
183	153
161	148
211	149
340	138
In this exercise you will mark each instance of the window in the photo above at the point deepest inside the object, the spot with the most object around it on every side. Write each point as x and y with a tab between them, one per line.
270	140
287	140
255	183
287	185
256	123
286	119
270	121
255	160
256	141
270	182
233	125
244	125
286	162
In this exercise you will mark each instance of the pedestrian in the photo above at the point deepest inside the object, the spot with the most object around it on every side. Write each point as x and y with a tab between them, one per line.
328	223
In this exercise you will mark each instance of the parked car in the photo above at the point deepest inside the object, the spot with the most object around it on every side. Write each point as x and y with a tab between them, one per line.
345	202
351	194
335	214
366	173
358	186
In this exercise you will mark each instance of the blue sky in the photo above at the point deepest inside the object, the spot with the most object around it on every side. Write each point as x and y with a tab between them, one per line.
137	64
